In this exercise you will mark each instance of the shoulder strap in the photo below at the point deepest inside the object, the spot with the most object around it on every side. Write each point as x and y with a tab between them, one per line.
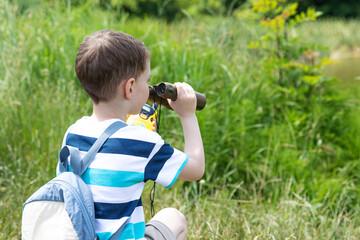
78	165
65	152
116	235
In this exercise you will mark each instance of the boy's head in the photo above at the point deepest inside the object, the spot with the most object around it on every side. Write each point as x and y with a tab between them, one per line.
107	57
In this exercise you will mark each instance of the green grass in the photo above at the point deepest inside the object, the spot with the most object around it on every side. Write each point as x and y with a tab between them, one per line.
331	33
270	174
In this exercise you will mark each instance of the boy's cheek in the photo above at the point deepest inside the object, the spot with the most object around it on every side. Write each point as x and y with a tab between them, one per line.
155	125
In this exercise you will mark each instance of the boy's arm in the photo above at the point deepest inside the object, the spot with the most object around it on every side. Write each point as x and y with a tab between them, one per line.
185	106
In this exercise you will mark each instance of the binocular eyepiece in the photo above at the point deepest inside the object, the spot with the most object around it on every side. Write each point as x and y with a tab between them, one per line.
162	91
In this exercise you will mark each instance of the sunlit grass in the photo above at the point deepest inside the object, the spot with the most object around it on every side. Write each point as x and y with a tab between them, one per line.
266	178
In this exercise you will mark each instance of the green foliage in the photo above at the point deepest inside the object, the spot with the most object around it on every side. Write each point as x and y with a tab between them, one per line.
175	9
297	65
294	69
333	8
171	10
278	163
292	66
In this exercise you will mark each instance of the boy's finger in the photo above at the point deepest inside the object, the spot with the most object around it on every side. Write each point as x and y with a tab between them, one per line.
183	88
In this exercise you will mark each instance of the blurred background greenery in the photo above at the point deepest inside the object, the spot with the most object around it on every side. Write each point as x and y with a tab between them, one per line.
281	130
171	10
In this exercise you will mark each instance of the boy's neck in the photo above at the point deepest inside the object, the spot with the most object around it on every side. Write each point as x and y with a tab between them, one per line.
109	110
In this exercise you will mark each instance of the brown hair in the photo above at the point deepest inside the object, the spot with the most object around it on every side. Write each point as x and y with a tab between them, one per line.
107	57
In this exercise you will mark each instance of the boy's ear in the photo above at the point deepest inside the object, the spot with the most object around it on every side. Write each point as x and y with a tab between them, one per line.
128	88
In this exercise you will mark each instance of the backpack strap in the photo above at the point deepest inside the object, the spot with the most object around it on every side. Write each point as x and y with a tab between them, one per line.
79	165
116	235
65	152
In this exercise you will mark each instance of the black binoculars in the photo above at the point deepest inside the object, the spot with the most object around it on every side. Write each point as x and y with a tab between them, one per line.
160	92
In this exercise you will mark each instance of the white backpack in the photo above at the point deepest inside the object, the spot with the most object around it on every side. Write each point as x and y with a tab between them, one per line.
63	208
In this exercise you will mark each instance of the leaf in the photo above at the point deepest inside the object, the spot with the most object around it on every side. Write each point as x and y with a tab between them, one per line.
327	61
276	24
253	45
293	65
263	6
312	80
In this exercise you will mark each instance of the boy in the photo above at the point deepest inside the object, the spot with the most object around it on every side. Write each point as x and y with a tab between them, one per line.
114	70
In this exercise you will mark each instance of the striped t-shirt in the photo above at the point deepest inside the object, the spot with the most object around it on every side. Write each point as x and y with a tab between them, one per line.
116	177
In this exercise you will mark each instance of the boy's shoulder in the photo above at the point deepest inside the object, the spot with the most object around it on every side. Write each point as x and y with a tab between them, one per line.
87	126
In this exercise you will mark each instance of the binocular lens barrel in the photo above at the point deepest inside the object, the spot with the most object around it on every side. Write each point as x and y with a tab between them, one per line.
162	91
161	88
166	90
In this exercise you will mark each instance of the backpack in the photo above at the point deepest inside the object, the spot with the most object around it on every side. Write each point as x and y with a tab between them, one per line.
63	208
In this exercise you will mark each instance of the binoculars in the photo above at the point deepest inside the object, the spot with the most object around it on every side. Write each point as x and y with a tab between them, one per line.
160	92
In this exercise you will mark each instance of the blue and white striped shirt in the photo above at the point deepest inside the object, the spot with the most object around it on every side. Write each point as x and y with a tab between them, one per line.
116	177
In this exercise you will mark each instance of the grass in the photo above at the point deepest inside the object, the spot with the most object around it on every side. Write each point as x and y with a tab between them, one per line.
221	216
270	174
333	34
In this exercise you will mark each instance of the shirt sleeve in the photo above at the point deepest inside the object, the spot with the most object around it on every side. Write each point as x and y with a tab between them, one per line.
165	164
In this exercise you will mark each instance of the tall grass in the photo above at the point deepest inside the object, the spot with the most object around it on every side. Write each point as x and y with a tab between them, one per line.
331	33
266	177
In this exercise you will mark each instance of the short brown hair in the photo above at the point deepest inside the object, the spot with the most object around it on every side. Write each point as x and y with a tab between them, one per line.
107	57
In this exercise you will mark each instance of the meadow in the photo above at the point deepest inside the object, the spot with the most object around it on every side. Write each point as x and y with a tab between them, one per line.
274	169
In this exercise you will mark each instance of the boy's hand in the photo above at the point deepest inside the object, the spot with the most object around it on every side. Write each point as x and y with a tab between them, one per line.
185	104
